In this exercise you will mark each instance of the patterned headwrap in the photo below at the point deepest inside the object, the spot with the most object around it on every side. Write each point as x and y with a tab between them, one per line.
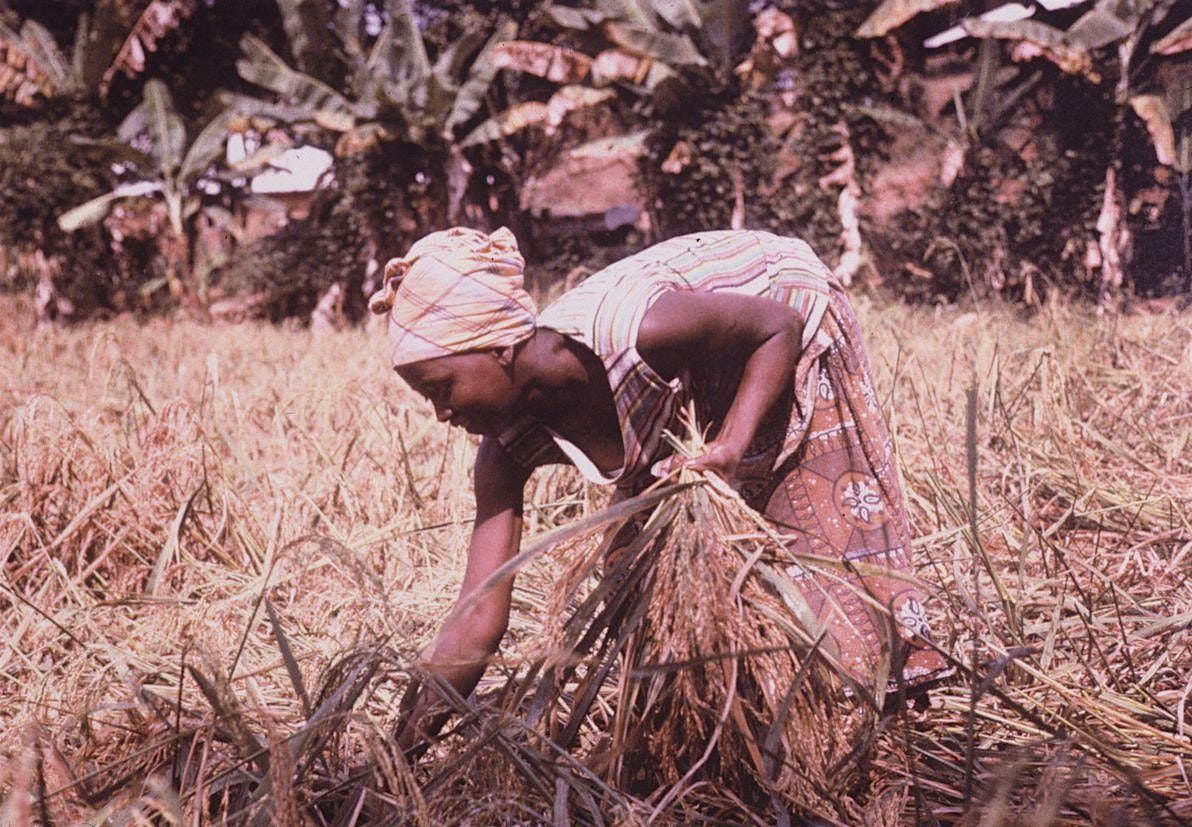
455	290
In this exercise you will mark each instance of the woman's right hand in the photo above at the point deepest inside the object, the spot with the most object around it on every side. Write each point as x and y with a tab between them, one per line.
472	633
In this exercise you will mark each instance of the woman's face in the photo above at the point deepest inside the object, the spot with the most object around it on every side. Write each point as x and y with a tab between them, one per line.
471	390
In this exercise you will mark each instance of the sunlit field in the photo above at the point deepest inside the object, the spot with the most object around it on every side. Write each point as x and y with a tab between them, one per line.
222	545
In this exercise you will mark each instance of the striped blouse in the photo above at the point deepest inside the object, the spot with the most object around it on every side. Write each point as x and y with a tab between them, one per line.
605	311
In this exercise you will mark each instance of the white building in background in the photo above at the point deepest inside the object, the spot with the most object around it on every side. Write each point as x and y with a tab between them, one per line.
294	170
299	169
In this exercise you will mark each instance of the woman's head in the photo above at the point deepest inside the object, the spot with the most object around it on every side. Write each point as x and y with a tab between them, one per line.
476	390
457	308
455	291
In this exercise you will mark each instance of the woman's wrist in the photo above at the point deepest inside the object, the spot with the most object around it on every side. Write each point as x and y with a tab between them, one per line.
734	446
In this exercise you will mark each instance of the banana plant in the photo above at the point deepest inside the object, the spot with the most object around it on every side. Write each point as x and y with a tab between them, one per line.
1082	48
689	36
33	67
660	50
153	141
393	89
390	92
1121	39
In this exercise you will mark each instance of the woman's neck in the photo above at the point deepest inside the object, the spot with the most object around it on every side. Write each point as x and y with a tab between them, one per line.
556	373
567	390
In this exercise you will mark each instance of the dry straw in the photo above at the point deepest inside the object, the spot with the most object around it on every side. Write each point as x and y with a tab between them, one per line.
223	549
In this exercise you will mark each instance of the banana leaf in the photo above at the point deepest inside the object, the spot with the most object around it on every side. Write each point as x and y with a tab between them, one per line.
453	60
368	100
675	50
347	22
335	121
1153	112
167	132
156	118
448	72
381	67
1052	43
256	162
79	55
207	147
639	13
580	20
308	30
44	50
506	123
557	64
396	99
95	210
619	65
893	13
1099	27
190	207
410	62
262	66
470	96
680	14
570	98
281	112
115	151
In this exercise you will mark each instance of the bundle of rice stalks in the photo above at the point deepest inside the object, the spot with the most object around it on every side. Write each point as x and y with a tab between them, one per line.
688	681
727	689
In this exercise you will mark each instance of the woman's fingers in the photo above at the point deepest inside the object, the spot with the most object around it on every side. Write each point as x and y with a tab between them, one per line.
719	459
665	467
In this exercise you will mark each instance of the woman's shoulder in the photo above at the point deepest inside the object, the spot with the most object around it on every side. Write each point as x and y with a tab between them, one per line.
608	294
659	263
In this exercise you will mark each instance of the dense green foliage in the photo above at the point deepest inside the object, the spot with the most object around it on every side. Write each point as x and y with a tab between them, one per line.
1006	220
832	74
41	177
731	152
293	267
399	92
369	213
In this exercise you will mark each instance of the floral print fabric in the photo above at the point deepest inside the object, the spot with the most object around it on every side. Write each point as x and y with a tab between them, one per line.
838	496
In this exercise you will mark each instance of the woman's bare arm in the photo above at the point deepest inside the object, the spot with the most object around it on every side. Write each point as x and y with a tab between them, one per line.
471	635
685	328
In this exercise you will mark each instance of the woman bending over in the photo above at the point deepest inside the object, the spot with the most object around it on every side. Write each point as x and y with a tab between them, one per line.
749	327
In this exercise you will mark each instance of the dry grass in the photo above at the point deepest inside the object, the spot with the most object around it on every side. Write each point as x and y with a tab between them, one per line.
222	549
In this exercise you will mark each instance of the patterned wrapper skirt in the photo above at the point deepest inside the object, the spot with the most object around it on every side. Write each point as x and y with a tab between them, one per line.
827	477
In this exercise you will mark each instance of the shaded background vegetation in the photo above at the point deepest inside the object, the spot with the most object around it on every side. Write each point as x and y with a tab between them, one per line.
780	116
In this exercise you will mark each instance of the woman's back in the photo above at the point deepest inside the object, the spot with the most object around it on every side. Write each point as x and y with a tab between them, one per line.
605	312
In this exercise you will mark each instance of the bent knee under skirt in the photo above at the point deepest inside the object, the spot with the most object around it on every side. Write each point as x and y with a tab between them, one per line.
837	496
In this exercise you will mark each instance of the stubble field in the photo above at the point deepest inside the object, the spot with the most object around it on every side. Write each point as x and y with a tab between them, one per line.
201	527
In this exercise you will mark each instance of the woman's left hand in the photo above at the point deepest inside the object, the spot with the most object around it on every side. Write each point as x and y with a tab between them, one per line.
720	458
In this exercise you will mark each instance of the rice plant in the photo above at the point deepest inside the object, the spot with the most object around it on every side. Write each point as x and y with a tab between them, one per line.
224	548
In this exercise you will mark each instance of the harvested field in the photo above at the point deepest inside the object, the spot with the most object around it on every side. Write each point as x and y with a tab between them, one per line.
223	548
